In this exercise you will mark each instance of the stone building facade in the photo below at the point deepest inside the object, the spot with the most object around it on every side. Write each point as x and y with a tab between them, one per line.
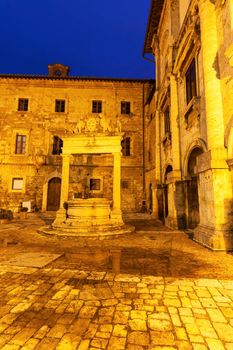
37	111
192	42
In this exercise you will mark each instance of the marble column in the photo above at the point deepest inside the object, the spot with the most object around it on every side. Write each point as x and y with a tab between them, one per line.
116	210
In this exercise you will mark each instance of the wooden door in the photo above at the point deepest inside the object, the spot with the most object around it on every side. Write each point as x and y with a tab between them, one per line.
193	203
54	191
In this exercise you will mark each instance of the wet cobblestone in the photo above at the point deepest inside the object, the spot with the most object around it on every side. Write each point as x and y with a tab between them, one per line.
112	321
57	307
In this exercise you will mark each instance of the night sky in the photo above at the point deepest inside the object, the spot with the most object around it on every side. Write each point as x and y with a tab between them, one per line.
102	38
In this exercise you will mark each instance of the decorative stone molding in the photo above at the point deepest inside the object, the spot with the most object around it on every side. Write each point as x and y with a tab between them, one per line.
164	96
219	3
229	54
188	43
97	124
196	143
167	139
192	113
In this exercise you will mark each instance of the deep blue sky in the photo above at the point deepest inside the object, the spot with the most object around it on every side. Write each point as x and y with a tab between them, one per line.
94	37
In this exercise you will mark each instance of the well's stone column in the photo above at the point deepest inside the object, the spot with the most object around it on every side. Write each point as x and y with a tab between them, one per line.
214	187
65	179
116	210
61	213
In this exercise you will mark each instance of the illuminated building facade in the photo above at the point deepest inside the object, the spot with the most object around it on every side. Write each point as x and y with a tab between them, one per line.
36	112
192	42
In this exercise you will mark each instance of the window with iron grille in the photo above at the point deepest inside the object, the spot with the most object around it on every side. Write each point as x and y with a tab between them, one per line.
23	104
20	144
95	184
190	79
60	106
125	146
125	107
96	106
167	128
57	145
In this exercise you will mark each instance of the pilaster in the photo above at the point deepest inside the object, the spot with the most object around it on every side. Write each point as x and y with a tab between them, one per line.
212	84
214	186
175	127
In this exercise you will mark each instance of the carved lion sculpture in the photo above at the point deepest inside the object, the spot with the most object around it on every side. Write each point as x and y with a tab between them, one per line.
105	124
79	126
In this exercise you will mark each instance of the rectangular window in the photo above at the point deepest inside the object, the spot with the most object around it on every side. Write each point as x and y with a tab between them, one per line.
60	106
167	128
20	145
124	184
96	106
17	183
95	184
57	145
125	107
190	78
23	104
125	146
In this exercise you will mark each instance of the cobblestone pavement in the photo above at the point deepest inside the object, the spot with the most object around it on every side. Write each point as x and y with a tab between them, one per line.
65	307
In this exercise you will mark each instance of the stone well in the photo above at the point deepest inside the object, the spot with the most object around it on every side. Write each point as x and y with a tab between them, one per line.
88	218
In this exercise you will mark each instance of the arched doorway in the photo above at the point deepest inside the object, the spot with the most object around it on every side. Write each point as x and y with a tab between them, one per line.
192	189
54	191
166	205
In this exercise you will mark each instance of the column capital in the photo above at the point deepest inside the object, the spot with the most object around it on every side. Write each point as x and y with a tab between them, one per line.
66	156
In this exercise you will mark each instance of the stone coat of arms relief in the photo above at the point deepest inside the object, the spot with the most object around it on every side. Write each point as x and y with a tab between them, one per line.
97	124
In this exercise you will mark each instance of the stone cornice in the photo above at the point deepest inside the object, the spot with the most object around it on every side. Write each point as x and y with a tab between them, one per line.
152	24
72	78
